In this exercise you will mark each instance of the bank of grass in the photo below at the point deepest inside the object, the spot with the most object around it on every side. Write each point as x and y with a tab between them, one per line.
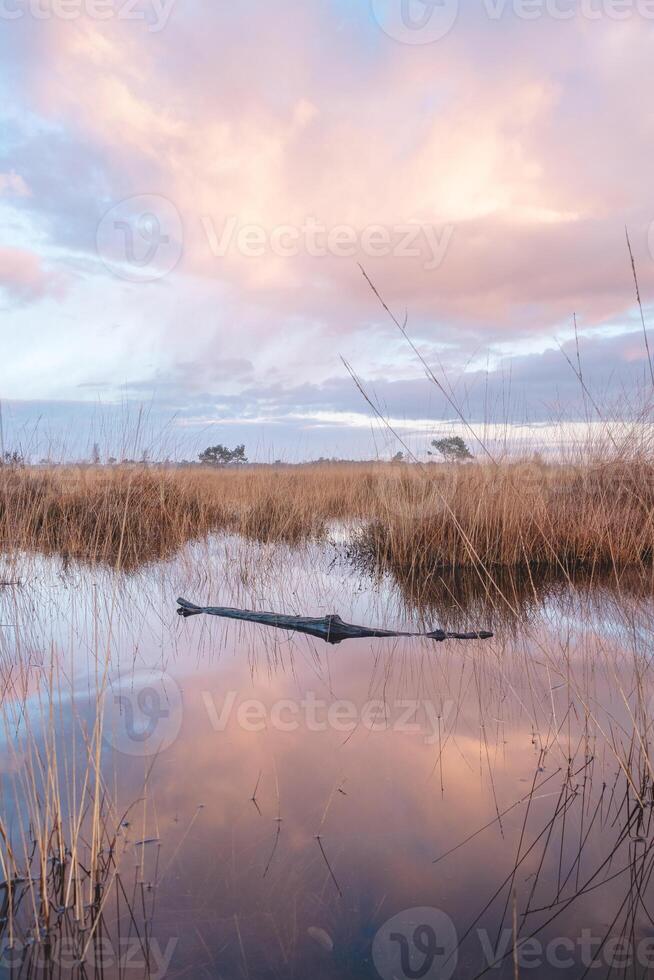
407	518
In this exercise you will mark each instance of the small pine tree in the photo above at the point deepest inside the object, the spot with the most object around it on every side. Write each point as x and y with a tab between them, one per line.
222	456
452	448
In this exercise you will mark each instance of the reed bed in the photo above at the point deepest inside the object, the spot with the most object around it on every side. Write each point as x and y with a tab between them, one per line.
73	877
61	834
407	518
70	870
522	517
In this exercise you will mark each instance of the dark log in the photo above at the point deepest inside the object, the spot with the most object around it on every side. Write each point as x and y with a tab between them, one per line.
332	629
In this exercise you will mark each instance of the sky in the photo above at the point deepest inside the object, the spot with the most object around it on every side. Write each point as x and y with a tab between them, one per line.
189	192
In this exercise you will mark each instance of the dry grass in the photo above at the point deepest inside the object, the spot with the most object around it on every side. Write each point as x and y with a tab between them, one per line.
516	516
406	518
61	834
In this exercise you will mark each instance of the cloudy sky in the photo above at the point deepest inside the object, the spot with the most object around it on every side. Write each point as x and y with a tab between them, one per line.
187	190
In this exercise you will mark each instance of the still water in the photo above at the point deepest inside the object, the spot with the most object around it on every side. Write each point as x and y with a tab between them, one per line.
276	807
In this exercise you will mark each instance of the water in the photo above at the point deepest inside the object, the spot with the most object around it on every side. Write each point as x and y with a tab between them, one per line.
383	808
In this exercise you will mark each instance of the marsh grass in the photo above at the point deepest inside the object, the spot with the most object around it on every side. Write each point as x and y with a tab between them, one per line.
410	519
529	518
62	836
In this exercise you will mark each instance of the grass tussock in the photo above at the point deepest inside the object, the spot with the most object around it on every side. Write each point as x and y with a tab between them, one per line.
408	519
516	516
126	515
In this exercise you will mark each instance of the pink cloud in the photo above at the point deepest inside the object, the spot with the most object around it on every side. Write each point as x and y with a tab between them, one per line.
293	112
13	185
23	276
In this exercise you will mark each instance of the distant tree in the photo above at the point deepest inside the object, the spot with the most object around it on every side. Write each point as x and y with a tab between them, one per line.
95	454
215	455
398	458
14	458
222	456
238	455
452	448
112	461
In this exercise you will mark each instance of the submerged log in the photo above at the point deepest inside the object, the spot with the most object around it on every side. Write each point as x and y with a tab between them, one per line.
332	629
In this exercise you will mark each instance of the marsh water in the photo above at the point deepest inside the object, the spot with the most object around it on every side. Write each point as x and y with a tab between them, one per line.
394	808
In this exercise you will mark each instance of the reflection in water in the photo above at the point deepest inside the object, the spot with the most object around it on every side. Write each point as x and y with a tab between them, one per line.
505	598
273	807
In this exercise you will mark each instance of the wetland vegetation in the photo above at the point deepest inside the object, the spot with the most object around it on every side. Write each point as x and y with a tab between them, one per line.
208	798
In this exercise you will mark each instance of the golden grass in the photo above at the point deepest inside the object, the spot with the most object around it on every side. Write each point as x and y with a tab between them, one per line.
406	518
516	516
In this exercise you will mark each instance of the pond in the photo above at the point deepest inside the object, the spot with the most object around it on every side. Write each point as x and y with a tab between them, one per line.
209	798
